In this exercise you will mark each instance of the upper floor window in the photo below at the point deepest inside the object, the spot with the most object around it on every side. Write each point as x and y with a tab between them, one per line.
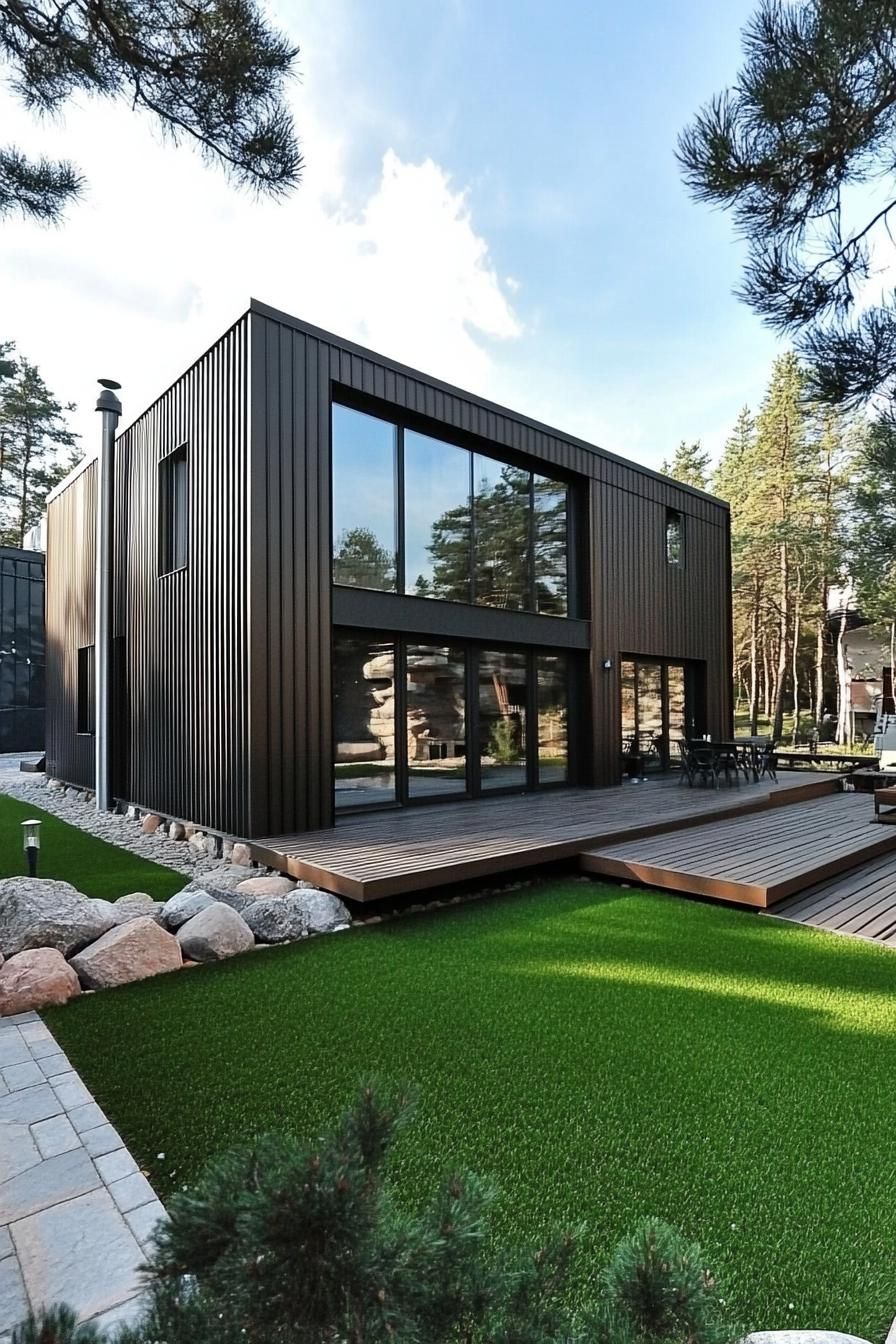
675	538
85	691
173	511
418	515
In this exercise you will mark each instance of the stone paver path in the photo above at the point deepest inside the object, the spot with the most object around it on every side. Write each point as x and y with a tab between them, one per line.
75	1211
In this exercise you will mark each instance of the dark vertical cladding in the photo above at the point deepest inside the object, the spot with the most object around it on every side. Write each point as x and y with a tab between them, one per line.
289	581
638	602
182	635
71	522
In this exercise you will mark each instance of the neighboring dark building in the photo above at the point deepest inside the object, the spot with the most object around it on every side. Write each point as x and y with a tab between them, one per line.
341	583
22	652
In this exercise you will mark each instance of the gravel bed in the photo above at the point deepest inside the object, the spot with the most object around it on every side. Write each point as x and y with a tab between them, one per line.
69	805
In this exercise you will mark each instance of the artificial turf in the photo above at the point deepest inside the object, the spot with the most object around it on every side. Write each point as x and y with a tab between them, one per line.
600	1053
91	865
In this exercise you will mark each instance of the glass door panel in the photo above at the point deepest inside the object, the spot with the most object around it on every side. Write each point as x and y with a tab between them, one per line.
502	695
650	716
364	721
551	685
677	710
437	720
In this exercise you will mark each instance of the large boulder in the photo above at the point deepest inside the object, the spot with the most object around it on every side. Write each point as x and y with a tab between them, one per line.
43	912
221	884
324	913
137	906
184	906
131	951
35	979
216	932
261	887
279	919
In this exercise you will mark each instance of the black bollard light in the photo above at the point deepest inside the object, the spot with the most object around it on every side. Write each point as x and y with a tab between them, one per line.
31	841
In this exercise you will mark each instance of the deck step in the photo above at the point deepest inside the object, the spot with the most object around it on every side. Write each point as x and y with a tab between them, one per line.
758	859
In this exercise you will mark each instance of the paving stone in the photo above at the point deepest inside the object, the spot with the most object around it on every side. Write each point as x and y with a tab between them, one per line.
131	1192
16	1019
13	1049
6	1246
62	1177
13	1299
115	1166
52	1065
55	1136
81	1252
18	1076
18	1150
37	1033
85	1117
31	1105
142	1221
41	1048
71	1091
103	1139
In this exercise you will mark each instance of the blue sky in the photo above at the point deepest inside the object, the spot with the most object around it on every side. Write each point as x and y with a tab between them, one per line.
491	194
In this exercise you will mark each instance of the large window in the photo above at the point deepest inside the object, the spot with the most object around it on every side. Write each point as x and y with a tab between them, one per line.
364	524
473	529
417	721
174	514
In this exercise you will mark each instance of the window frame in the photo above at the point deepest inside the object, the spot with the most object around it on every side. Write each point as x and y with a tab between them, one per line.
174	509
85	691
674	518
473	447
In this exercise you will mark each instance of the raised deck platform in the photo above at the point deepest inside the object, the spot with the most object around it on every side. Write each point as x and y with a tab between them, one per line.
367	857
861	902
754	860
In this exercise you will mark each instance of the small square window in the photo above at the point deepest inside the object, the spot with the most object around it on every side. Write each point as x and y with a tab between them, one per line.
675	538
86	715
173	511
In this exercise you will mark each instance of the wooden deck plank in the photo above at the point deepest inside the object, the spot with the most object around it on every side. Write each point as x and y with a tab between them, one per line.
391	853
861	902
755	860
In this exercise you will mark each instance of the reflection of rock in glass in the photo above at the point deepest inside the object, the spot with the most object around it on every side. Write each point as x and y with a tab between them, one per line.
435	703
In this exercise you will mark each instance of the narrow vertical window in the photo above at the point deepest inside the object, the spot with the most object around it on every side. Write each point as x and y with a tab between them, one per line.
173	505
86	718
675	538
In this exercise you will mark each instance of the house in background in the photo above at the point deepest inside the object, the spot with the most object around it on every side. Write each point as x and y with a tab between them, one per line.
340	584
22	653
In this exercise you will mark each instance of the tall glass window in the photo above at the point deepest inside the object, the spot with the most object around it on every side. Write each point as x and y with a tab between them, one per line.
364	496
502	521
364	721
437	518
549	498
553	753
437	720
503	698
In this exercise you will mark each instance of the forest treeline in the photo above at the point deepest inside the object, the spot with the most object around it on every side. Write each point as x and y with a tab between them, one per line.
812	490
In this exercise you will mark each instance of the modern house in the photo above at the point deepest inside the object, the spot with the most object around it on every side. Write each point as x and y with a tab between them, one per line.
341	584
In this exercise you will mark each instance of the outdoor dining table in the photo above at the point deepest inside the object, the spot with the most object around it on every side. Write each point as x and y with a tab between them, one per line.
742	752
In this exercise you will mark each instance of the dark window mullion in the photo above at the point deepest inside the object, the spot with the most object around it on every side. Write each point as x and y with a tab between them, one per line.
472	529
400	578
532	719
474	774
532	598
402	789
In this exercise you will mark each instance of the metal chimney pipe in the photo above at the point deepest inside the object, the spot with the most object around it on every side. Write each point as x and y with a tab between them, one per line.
110	408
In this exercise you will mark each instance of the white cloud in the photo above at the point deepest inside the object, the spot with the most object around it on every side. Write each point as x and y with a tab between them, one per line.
164	254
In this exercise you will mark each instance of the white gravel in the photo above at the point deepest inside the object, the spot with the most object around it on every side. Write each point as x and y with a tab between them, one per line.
119	830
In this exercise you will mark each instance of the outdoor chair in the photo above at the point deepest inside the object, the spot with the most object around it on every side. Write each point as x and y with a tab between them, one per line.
766	759
701	764
687	770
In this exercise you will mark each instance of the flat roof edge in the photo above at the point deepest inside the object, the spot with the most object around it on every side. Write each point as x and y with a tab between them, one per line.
70	479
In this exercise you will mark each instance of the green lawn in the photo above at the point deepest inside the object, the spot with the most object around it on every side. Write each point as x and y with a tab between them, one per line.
89	864
601	1053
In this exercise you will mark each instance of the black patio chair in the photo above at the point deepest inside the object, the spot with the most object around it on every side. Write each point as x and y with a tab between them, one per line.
687	771
766	759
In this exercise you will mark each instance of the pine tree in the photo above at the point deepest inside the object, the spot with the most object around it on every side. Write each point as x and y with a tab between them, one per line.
689	464
808	118
211	71
34	438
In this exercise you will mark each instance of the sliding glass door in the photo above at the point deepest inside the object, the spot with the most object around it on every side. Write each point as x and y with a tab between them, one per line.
415	722
661	704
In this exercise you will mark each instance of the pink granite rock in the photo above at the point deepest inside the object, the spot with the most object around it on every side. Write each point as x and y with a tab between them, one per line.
35	979
132	951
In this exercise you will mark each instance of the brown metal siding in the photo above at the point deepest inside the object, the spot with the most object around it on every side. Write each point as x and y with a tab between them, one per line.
71	519
639	603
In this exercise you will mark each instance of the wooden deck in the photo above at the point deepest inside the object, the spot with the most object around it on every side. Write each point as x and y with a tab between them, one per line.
861	902
391	853
755	860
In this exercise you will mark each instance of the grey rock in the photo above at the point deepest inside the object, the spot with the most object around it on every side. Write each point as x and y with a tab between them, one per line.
216	932
241	854
221	884
131	951
43	912
184	906
137	906
277	919
324	913
176	831
197	840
